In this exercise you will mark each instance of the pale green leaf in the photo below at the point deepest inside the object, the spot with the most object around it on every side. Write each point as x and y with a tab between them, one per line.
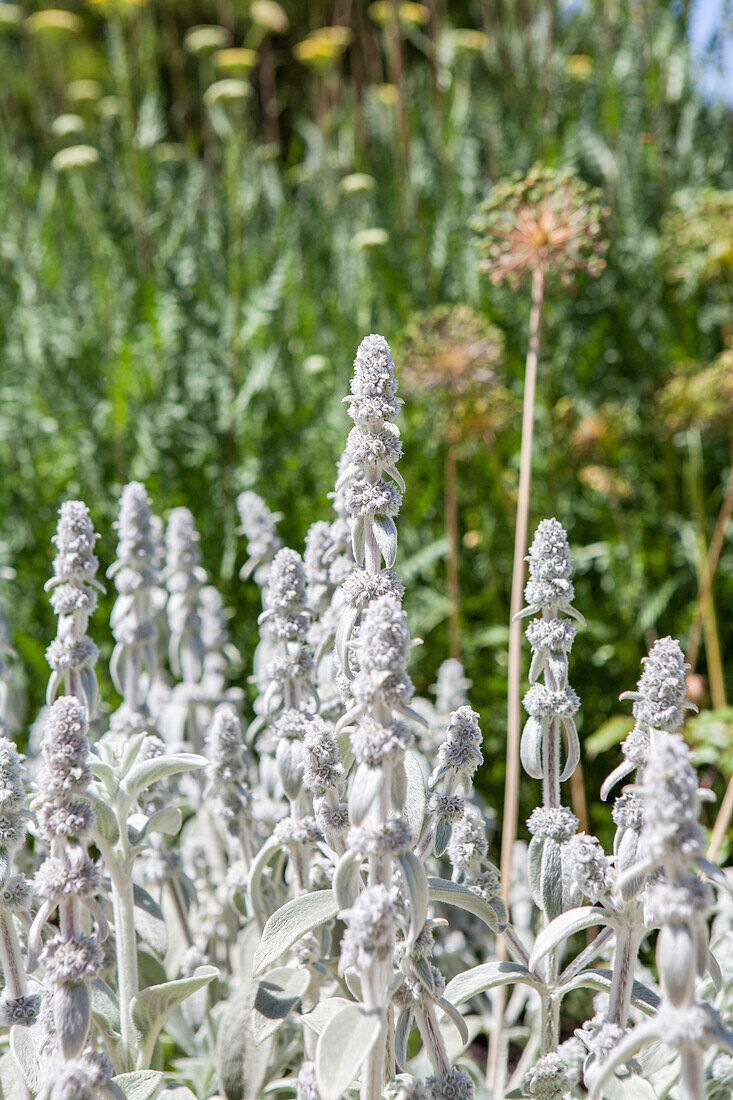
291	921
342	1048
141	1084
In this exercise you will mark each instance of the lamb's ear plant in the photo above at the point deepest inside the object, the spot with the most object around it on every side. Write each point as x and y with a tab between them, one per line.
332	857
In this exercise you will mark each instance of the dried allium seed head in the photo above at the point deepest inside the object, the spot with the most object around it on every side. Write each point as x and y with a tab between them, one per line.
547	220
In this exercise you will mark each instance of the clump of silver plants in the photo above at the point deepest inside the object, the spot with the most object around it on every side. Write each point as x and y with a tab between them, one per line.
196	903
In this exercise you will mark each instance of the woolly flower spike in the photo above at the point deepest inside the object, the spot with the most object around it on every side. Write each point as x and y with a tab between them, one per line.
412	1090
12	788
306	1088
393	838
468	845
384	643
72	655
66	772
184	578
373	449
228	770
373	397
137	579
370	931
258	525
588	866
318	543
374	743
358	591
322	769
548	1079
453	1085
549	587
75	561
286	586
659	704
660	698
461	749
671	833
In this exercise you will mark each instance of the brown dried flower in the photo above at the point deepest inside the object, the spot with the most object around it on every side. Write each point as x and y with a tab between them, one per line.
547	219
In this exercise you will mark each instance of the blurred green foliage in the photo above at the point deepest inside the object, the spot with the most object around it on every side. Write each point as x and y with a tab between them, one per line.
180	300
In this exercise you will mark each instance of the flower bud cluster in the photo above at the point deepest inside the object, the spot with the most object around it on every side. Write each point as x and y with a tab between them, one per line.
72	655
65	810
68	879
589	868
370	930
383	648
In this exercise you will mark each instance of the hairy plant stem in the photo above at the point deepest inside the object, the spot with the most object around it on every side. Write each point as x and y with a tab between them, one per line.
628	941
13	972
692	1077
123	907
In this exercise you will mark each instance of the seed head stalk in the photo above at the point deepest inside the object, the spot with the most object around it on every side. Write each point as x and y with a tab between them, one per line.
511	787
